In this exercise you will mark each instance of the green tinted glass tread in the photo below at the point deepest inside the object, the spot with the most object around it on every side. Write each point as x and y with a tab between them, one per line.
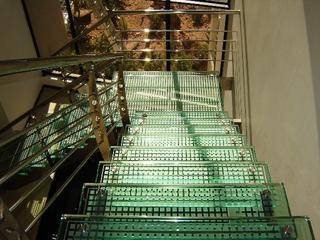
184	173
183	154
181	121
203	95
183	170
181	129
184	140
102	228
168	114
172	105
206	200
174	80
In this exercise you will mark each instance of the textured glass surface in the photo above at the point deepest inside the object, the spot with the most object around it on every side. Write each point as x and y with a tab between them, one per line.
181	120
190	173
183	171
182	129
171	105
173	91
184	140
174	114
205	200
183	154
94	228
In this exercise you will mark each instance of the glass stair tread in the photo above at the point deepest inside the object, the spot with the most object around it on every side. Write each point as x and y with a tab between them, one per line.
143	228
182	129
170	114
206	200
175	80
183	154
166	73
169	73
172	91
187	94
172	105
184	140
184	173
181	121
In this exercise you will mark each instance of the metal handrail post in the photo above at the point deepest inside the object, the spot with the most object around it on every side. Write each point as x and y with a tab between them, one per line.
96	115
122	99
168	36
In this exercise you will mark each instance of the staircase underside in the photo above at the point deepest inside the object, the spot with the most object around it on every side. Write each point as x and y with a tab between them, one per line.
183	171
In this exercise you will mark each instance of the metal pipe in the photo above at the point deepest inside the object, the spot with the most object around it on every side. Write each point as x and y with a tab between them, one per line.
56	132
175	40
62	138
54	96
53	169
173	12
175	219
168	35
24	131
147	30
28	160
57	194
121	93
108	87
172	50
81	35
8	67
205	3
175	60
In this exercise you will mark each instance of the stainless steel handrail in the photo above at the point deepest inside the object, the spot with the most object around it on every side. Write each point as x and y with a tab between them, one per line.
176	60
147	50
52	116
9	67
147	30
29	159
173	40
173	12
73	84
81	35
60	190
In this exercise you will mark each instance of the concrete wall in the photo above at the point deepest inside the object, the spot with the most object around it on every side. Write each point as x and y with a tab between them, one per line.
17	92
47	23
283	39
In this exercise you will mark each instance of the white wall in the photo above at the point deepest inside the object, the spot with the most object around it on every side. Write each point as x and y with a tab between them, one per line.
283	39
48	26
18	92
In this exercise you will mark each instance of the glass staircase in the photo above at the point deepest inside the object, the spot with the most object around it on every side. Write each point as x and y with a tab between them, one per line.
183	171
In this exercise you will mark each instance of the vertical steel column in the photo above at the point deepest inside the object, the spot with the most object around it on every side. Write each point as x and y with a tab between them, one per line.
168	36
96	115
122	100
212	45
